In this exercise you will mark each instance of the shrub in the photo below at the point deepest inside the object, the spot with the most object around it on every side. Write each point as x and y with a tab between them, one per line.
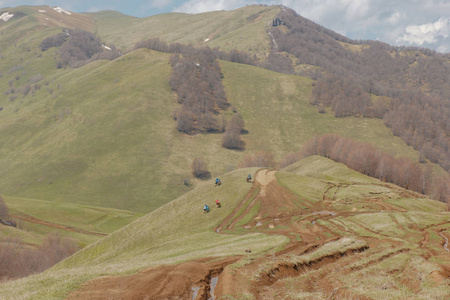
78	47
200	169
289	159
19	260
259	159
231	138
3	209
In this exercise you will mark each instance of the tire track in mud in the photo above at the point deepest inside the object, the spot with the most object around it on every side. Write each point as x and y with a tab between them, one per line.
235	212
267	287
262	181
445	243
426	235
285	269
28	218
278	206
175	281
330	186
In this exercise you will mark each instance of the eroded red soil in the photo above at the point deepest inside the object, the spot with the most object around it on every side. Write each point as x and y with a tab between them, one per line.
267	276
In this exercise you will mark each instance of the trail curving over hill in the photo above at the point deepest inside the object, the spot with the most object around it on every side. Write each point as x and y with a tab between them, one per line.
326	247
34	220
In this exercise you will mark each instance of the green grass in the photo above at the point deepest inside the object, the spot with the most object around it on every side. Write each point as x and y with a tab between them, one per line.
250	215
96	219
242	29
419	204
327	170
178	231
104	135
84	217
309	188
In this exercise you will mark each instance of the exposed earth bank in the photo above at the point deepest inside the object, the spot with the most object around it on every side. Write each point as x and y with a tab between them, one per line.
319	262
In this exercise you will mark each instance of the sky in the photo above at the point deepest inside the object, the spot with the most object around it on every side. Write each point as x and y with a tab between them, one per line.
423	23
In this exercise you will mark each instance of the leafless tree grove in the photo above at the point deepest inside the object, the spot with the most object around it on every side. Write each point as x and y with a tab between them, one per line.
367	159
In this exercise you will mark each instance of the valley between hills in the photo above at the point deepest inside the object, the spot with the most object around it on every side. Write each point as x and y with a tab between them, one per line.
113	129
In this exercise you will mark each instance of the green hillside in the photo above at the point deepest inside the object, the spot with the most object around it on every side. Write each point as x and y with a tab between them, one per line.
242	29
85	152
175	232
103	134
382	233
83	223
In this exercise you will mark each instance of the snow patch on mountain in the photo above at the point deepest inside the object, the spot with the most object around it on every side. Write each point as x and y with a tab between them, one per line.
6	16
62	10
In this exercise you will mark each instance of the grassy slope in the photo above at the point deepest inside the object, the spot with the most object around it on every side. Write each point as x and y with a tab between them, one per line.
400	224
276	110
83	217
242	29
103	126
103	134
178	231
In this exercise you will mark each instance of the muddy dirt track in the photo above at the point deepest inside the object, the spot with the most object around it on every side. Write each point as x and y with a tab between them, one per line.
277	275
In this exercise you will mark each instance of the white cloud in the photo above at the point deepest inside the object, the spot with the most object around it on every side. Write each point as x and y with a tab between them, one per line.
355	9
426	33
396	17
395	22
443	49
321	9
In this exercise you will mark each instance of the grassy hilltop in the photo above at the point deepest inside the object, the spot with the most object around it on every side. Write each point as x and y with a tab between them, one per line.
374	237
242	29
86	151
103	134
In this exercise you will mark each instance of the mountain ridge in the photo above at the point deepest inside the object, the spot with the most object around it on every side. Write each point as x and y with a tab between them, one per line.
103	133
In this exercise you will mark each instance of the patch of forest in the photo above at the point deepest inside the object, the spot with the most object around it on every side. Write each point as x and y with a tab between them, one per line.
367	159
412	83
197	79
77	47
18	259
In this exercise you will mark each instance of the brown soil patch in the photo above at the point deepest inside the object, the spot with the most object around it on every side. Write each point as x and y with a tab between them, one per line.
178	281
284	270
271	275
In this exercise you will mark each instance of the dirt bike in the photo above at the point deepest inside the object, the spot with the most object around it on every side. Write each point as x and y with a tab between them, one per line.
218	183
249	180
206	209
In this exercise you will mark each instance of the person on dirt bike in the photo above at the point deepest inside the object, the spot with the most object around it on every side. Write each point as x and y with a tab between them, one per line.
218	181
206	208
218	203
249	178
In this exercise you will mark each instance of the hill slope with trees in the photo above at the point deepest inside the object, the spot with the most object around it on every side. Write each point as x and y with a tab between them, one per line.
104	133
98	109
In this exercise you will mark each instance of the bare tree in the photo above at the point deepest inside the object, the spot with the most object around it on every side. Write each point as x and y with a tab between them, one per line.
200	169
289	159
3	209
231	138
259	159
19	260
